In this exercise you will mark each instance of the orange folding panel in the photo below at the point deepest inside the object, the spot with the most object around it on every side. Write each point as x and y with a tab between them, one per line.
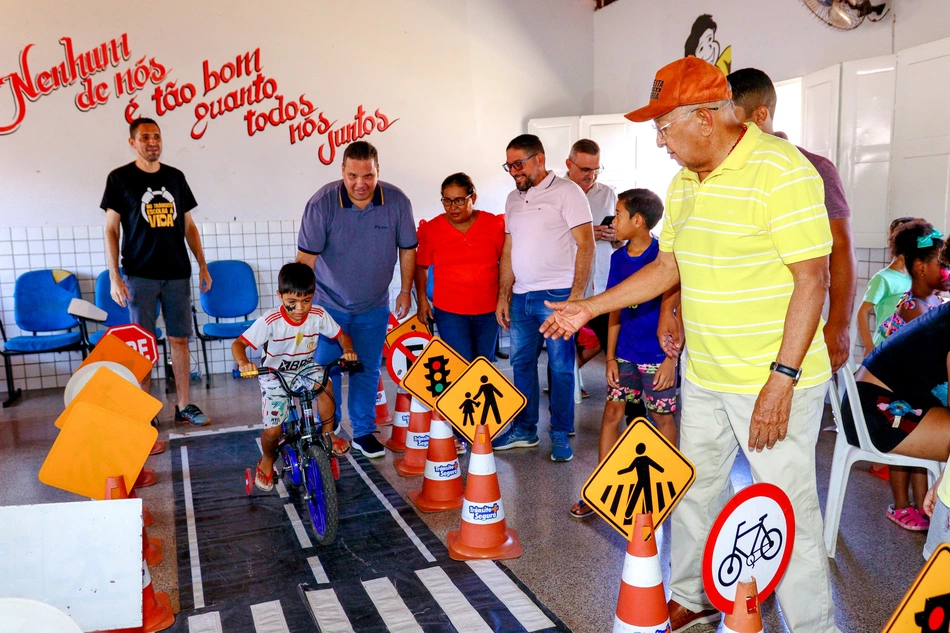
111	391
113	349
94	444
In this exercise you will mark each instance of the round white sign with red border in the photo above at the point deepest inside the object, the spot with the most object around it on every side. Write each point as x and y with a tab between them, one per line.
138	338
753	536
404	352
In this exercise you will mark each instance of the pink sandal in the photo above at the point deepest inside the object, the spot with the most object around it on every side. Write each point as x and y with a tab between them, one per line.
908	518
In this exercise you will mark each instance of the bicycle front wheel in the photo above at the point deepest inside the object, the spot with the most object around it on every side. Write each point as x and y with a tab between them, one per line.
321	495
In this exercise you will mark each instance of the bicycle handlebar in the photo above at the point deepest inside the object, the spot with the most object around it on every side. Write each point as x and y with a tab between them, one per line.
345	365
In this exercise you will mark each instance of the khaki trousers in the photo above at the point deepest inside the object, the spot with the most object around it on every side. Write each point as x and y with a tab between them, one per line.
713	427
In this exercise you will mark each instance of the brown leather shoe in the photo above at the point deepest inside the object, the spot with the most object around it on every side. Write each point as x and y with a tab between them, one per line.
682	618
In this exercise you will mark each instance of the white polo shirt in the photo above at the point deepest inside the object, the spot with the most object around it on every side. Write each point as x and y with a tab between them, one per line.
539	221
603	203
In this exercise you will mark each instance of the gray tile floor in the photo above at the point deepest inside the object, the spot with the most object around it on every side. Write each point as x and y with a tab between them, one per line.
573	566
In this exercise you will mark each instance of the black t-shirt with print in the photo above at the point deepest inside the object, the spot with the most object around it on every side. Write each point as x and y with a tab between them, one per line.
913	360
152	208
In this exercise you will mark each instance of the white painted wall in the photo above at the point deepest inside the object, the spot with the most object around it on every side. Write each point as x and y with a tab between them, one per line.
634	38
462	76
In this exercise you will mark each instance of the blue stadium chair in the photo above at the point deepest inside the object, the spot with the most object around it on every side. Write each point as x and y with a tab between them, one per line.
40	302
233	295
117	315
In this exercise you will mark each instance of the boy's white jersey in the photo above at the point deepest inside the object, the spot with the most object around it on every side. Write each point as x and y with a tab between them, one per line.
290	345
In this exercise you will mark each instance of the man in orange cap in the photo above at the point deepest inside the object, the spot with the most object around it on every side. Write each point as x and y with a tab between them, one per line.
747	238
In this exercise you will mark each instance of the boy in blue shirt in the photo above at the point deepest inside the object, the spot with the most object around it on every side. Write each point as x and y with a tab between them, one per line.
637	367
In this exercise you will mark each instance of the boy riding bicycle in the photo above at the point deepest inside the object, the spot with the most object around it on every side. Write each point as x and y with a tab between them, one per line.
290	333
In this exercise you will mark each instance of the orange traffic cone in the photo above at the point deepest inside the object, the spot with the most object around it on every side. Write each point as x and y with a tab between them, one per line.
483	533
397	440
159	447
413	461
383	415
442	485
146	478
642	602
157	614
746	616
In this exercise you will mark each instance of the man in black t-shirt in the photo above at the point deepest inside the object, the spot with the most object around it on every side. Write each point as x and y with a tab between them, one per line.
149	203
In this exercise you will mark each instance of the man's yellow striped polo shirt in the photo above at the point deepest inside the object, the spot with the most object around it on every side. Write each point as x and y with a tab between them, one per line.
733	236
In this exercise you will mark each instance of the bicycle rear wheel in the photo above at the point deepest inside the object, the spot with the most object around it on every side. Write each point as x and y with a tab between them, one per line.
321	495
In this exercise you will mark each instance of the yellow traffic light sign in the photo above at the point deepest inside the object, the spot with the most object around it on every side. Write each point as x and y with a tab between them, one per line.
642	473
926	607
433	372
482	395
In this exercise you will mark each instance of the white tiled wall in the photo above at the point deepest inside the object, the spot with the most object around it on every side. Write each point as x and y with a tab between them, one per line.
870	260
266	246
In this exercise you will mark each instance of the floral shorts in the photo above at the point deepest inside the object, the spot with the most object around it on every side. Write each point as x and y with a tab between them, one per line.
275	404
636	384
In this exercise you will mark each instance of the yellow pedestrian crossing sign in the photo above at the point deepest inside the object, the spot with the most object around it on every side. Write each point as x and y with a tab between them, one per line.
926	607
433	372
412	324
482	395
642	473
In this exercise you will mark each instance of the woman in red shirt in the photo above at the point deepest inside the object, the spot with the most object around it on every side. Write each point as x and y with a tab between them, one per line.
463	247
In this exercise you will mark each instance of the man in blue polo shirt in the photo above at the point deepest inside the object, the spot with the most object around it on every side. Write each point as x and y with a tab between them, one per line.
351	233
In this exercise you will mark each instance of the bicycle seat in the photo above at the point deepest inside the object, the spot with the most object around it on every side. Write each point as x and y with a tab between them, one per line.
763	517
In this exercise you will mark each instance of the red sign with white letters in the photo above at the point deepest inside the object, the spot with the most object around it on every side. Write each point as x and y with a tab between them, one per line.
138	338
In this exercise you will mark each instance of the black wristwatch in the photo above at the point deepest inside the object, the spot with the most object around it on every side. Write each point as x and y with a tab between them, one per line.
791	372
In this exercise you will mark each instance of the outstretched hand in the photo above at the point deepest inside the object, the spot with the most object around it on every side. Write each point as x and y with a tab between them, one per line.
568	317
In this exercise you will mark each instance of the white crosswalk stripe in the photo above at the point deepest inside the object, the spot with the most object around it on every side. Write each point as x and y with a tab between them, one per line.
205	623
326	608
196	586
463	616
525	611
392	609
319	574
269	618
299	529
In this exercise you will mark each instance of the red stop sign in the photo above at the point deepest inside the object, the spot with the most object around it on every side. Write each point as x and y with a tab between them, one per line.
138	338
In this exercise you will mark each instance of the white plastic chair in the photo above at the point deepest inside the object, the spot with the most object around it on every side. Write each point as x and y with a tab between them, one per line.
846	455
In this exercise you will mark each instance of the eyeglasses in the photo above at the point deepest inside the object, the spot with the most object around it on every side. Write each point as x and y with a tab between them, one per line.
589	170
661	130
455	202
517	165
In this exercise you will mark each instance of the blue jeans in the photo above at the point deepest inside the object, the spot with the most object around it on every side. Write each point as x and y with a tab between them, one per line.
528	312
471	335
368	331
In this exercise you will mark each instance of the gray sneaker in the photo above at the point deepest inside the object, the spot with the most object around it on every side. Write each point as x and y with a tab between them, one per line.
191	415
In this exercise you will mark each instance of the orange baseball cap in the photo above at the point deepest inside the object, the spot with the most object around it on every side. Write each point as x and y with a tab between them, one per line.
684	82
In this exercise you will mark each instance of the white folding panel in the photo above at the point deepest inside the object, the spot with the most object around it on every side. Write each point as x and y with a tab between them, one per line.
820	92
920	169
84	558
864	151
557	134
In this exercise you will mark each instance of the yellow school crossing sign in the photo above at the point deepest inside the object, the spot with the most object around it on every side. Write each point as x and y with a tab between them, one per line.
926	607
412	324
481	395
642	473
433	372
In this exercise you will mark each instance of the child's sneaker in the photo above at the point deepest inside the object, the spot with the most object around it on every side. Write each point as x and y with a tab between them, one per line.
264	482
191	415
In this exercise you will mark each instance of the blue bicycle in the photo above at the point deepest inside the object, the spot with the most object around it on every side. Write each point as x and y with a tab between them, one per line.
307	452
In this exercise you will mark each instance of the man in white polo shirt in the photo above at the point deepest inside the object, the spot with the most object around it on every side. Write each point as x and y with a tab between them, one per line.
547	256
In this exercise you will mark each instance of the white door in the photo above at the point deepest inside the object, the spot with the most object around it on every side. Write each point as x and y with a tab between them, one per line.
820	93
920	169
617	138
864	150
557	134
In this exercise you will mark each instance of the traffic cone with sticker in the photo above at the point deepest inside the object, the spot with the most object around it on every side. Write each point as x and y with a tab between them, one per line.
413	461
746	617
383	414
397	440
483	532
146	478
157	614
442	485
642	602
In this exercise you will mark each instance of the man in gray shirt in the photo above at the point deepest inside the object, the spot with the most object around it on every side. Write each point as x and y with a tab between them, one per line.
351	233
